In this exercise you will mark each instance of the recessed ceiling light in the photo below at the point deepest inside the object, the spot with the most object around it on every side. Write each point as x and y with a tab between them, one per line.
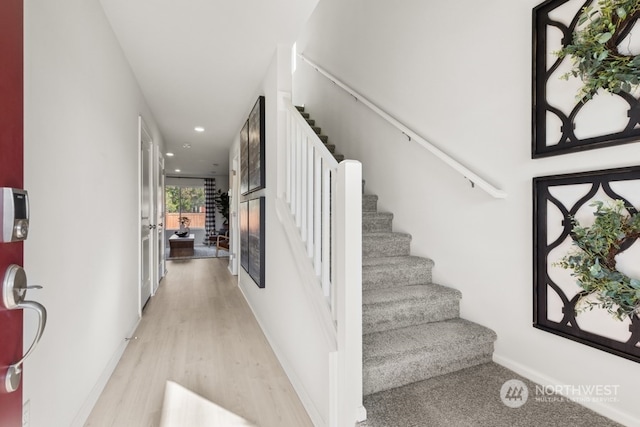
177	170
198	129
186	145
170	154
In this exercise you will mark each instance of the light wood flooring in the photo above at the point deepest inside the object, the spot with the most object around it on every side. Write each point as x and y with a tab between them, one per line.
199	332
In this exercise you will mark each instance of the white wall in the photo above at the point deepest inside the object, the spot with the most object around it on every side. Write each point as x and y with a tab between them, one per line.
458	73
280	308
81	170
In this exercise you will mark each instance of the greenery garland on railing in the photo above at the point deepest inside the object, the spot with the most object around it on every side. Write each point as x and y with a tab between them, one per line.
594	263
594	48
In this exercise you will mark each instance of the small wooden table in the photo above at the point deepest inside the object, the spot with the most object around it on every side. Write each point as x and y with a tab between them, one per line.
181	246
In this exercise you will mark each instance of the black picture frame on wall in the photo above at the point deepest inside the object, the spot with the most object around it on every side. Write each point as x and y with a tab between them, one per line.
257	241
244	159
256	161
244	235
557	200
561	122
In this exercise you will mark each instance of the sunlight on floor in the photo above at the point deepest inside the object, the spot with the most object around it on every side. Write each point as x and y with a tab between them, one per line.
182	407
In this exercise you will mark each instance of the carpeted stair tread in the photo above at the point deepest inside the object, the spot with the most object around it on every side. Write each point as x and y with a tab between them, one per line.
338	157
376	245
316	129
392	308
389	272
376	221
311	122
331	148
414	353
323	138
369	203
300	108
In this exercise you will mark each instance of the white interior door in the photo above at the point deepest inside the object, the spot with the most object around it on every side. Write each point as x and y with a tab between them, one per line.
146	214
234	228
160	210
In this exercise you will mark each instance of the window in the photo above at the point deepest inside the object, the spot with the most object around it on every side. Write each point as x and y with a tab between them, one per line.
184	202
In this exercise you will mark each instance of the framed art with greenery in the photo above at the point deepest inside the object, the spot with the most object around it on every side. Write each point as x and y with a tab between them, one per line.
586	258
586	75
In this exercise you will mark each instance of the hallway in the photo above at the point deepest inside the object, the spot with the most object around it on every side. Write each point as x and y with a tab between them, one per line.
199	332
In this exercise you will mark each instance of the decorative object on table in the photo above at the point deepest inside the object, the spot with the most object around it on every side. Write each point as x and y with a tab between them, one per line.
585	75
184	227
586	253
252	150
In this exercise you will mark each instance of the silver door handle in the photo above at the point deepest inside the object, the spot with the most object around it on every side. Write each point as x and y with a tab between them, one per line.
14	290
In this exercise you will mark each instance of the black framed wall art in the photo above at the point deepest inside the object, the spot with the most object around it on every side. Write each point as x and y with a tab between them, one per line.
257	241
244	235
585	76
244	159
586	252
256	162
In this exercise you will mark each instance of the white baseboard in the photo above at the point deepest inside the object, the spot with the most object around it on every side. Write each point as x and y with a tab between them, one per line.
298	386
84	412
601	408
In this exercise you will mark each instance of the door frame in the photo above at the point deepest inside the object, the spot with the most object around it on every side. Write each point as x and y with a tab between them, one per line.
144	138
160	268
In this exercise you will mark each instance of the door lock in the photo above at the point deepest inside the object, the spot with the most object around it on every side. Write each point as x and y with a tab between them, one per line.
14	291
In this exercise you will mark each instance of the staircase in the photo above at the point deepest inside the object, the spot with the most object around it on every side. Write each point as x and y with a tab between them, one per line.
411	327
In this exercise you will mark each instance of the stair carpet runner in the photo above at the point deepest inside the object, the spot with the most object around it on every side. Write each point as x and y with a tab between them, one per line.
411	327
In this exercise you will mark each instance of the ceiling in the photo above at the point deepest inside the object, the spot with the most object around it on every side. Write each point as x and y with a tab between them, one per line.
201	63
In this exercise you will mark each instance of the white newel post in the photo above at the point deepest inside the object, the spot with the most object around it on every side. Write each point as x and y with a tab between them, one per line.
348	216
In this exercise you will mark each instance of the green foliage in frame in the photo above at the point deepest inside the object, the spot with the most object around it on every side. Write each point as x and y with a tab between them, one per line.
594	265
594	48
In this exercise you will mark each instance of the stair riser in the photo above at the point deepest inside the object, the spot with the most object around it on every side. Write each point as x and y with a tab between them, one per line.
375	224
369	203
378	278
398	314
373	247
418	366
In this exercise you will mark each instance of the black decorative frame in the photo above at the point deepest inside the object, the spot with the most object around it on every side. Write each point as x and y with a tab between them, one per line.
244	235
256	161
542	72
244	159
569	326
256	241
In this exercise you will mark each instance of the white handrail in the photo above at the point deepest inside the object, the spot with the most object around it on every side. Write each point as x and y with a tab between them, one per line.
457	166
